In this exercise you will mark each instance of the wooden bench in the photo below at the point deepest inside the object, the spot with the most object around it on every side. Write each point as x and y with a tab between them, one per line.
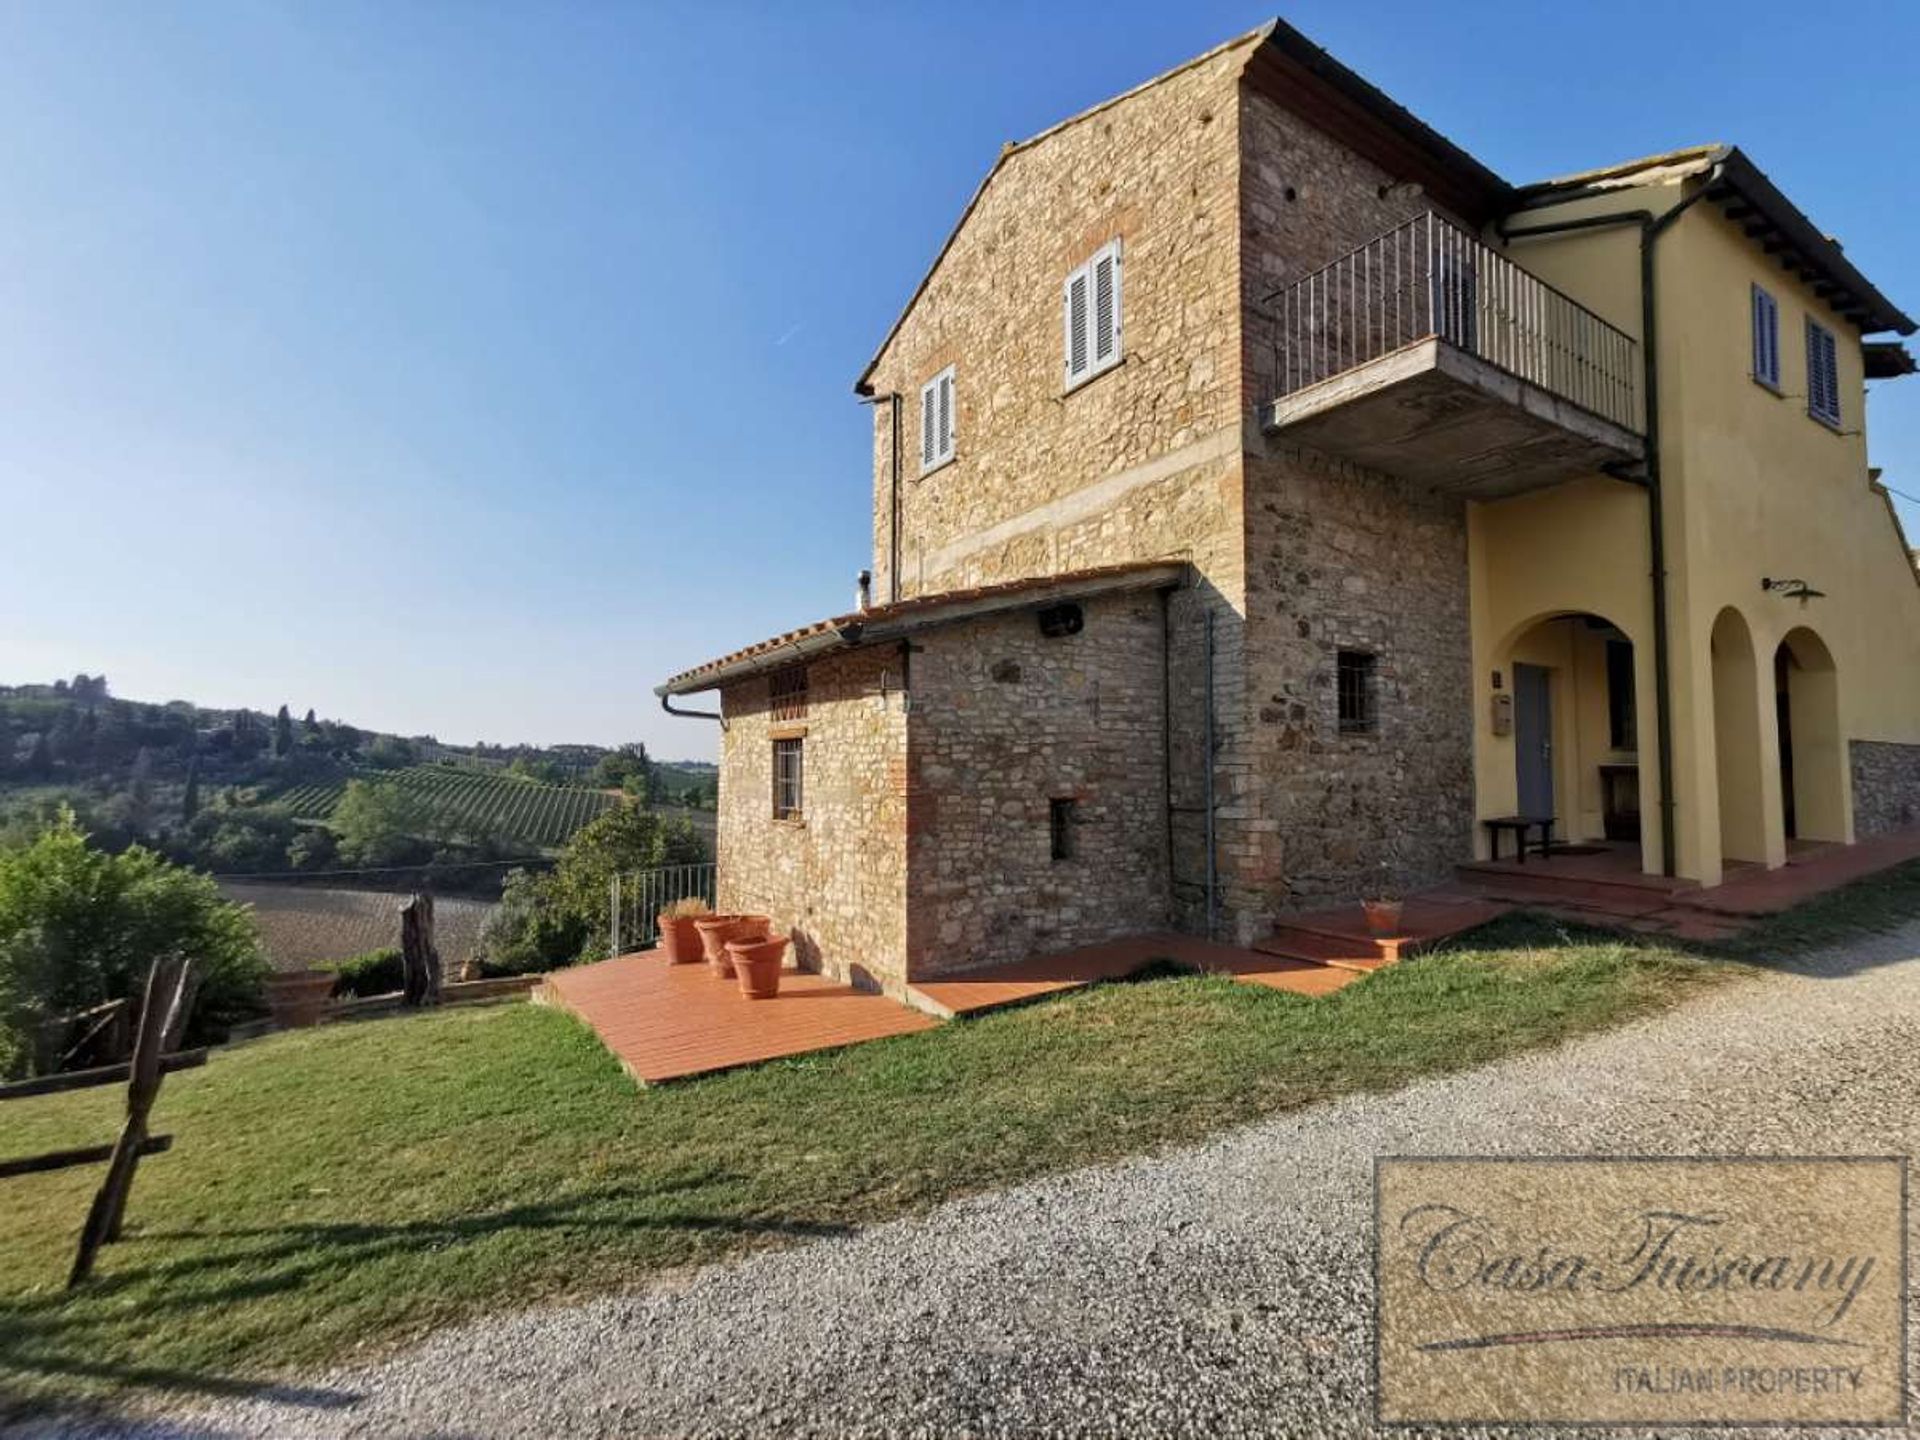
1521	826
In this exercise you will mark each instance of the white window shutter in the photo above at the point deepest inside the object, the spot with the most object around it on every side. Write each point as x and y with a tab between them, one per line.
946	416
1106	308
1078	356
928	417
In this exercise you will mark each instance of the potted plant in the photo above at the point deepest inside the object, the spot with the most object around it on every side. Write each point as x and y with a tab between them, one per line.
757	963
716	930
679	940
1383	907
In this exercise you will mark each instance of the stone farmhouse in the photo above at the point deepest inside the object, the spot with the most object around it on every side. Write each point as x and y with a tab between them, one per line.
1267	495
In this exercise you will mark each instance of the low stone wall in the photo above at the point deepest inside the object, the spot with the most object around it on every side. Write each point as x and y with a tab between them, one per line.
1886	786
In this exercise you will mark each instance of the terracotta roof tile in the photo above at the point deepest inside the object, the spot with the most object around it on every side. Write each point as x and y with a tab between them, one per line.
847	631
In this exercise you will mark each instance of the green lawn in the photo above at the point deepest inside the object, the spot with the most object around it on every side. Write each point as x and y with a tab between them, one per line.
352	1186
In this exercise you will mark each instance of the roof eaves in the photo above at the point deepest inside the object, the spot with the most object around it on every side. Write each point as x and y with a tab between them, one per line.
1464	180
886	623
1770	219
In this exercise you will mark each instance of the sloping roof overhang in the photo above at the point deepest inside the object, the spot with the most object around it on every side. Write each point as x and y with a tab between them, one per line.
880	624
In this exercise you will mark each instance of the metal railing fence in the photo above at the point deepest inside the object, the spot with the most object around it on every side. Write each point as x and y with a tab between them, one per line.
1429	277
636	899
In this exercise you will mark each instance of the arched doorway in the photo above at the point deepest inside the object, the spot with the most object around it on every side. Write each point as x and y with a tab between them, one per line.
1813	759
1570	719
1737	740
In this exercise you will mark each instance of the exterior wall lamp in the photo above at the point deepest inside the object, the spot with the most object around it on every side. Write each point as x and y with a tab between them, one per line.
1793	590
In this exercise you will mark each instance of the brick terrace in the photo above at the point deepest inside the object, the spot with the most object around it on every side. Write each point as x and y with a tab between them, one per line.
664	1022
670	1022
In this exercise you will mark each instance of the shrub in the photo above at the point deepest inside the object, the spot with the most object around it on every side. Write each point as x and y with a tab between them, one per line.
377	972
79	927
527	931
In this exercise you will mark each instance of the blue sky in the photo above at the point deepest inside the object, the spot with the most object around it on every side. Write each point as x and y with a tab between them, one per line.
467	368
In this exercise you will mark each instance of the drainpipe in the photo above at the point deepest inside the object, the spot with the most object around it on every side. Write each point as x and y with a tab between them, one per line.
666	704
892	397
1213	871
1166	735
1652	227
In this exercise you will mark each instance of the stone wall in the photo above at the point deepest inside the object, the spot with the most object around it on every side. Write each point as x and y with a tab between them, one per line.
1886	786
1342	558
1005	720
1305	201
836	878
1219	195
1044	479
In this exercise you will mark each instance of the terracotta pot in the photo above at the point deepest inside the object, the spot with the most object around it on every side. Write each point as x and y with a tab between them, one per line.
1383	916
299	999
717	930
757	964
680	939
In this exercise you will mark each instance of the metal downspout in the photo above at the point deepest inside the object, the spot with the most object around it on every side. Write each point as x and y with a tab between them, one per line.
666	704
1652	227
1166	736
1213	871
893	505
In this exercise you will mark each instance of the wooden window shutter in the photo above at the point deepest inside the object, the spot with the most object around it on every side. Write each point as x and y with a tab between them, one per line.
1106	305
1078	358
928	416
1766	338
1823	374
945	430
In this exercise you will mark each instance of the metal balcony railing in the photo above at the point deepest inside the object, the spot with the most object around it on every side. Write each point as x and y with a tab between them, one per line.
1429	277
635	900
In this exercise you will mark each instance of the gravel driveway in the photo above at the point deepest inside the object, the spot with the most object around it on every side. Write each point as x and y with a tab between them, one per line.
1219	1290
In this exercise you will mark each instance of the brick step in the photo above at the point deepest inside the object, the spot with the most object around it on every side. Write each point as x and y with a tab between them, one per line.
1340	952
1496	879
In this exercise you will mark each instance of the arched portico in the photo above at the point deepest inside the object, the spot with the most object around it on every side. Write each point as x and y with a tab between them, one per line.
1816	798
1743	745
1566	730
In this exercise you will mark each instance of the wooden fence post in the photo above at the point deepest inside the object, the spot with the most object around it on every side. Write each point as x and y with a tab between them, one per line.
166	987
420	961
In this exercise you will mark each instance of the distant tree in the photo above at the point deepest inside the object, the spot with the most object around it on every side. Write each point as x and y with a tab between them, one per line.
79	926
380	824
314	848
190	800
282	733
234	837
390	752
139	807
630	769
308	722
40	757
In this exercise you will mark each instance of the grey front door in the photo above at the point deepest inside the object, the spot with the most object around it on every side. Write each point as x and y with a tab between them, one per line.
1533	738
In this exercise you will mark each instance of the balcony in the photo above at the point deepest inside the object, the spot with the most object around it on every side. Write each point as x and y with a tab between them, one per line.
1428	355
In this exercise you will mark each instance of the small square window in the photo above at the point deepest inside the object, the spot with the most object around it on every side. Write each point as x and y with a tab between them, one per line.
789	789
787	693
1062	816
1359	709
